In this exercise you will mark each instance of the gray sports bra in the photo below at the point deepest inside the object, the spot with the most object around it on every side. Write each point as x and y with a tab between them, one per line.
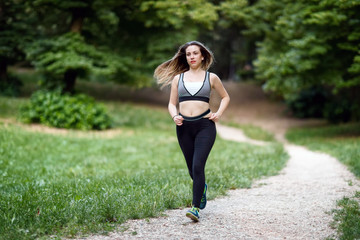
202	95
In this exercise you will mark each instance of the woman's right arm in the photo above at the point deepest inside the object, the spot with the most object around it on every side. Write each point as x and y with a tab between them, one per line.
173	102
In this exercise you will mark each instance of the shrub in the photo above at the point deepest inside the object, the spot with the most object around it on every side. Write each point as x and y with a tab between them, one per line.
317	102
338	111
65	111
11	87
309	103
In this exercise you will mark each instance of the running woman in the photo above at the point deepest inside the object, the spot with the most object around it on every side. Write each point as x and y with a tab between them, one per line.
191	84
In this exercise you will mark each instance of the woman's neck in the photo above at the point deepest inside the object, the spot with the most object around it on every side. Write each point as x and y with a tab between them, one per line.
195	74
195	71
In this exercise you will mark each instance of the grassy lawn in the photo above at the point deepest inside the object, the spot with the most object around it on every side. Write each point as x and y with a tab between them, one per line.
63	185
9	107
254	132
342	142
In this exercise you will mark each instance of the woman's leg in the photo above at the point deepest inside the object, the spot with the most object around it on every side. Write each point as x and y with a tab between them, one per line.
203	144
186	141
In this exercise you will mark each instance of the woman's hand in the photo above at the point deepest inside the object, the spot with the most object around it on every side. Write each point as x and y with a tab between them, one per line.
215	117
178	119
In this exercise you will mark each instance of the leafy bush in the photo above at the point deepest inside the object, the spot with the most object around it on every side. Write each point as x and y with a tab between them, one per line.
11	87
65	111
301	45
317	102
308	103
338	111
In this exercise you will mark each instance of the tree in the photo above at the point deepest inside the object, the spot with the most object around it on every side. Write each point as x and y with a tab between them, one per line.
233	50
173	22
308	44
15	33
120	40
68	48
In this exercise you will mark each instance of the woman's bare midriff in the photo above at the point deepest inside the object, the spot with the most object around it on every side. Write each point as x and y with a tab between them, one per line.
194	108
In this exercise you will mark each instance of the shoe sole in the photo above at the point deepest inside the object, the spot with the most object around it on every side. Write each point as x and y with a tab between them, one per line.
192	217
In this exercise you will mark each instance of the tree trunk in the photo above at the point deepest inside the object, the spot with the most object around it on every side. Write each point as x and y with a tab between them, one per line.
2	18
77	20
70	79
76	27
3	63
3	73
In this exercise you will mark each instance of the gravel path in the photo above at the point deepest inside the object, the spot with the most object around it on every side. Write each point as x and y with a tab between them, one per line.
291	205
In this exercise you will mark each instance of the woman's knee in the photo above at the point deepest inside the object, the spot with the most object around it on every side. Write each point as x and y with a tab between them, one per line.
198	169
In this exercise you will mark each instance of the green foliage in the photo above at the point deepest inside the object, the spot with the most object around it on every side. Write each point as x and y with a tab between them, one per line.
82	183
309	103
65	111
233	10
347	217
178	13
162	26
318	102
15	34
84	39
341	110
304	47
307	44
121	41
70	52
11	87
15	31
64	4
301	44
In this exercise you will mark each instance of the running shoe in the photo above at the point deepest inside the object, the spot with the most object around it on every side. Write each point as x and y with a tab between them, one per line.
193	213
203	199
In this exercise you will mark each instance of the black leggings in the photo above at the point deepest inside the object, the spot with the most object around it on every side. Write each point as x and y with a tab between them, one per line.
196	139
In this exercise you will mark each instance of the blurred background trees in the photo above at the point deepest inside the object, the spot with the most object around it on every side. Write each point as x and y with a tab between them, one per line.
15	32
310	55
305	52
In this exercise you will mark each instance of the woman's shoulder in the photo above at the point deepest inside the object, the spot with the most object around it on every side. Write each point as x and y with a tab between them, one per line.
176	78
213	77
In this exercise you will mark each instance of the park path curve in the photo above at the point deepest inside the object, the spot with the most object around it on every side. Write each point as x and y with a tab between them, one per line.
292	205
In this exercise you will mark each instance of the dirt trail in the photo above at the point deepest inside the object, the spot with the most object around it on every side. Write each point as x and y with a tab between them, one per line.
291	205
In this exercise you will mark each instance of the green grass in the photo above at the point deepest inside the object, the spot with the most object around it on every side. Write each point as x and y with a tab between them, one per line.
347	217
342	142
65	185
9	107
254	132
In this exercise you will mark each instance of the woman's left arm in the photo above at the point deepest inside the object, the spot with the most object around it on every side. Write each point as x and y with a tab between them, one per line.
225	98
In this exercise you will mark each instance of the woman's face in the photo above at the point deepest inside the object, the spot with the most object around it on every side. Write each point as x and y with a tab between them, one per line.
193	56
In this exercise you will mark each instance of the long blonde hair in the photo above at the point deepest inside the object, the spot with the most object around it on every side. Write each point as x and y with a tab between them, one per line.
166	71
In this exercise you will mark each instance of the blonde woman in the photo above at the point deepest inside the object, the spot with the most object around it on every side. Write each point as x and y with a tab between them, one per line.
191	85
